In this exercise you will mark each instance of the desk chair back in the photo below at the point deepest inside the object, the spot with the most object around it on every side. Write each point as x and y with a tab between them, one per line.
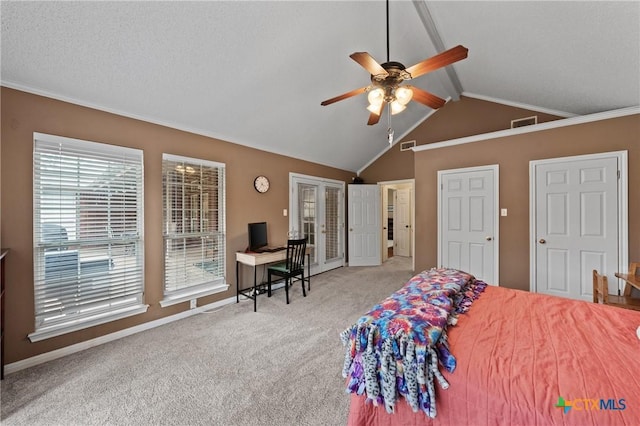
292	267
295	255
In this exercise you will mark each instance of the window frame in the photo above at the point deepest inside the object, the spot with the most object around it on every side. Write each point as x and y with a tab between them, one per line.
72	315
205	288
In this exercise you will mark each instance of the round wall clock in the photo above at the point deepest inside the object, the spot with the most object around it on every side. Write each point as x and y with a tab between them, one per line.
261	183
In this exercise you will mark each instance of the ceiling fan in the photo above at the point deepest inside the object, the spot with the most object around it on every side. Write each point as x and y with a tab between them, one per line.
386	80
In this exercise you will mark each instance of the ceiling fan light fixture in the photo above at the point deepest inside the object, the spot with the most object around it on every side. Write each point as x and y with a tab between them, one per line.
376	97
386	79
403	95
375	109
397	107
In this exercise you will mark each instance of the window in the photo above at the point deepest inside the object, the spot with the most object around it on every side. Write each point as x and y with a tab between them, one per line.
307	218
194	226
88	234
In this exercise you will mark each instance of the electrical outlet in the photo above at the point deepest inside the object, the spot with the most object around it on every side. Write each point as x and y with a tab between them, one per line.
193	303
284	212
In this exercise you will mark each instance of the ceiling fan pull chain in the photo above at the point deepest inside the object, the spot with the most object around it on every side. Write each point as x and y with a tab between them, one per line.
389	129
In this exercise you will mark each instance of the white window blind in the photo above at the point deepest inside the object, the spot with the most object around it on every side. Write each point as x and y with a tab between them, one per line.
308	216
333	235
194	228
88	228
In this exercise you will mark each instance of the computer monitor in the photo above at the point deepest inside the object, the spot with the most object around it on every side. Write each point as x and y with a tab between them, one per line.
257	235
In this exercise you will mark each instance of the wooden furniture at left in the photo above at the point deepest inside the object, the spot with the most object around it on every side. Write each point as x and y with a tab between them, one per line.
601	292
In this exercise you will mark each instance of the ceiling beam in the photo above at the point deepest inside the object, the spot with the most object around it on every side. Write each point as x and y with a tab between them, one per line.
452	83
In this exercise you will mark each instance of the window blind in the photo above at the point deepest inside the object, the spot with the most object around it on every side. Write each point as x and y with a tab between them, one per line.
307	217
88	228
333	235
194	227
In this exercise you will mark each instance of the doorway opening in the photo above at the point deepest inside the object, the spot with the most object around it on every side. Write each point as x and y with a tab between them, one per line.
398	219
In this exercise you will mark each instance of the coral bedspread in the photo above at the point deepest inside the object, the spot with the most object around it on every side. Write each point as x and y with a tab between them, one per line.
532	359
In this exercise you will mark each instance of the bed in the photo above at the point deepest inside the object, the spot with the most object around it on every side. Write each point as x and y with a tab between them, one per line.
519	359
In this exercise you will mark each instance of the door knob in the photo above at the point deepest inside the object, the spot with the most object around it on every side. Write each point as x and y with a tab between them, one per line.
488	238
542	241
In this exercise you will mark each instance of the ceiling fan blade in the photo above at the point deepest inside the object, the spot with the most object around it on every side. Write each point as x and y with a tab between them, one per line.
373	117
368	63
344	96
427	98
438	61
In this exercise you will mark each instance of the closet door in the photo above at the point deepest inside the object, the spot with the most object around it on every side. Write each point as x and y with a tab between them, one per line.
576	224
468	221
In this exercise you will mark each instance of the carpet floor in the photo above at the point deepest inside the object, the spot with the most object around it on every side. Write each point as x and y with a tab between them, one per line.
279	366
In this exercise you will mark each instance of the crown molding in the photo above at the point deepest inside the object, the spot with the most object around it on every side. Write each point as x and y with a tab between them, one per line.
519	105
581	119
168	124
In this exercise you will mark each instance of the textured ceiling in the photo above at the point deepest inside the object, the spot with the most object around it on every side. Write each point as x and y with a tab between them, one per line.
254	73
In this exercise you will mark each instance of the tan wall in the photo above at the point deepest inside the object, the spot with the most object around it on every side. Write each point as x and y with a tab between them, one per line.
23	114
513	154
466	117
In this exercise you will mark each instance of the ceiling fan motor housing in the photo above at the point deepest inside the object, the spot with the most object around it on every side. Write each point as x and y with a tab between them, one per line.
396	73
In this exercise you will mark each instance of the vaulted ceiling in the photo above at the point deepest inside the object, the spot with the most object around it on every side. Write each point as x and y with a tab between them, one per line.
254	73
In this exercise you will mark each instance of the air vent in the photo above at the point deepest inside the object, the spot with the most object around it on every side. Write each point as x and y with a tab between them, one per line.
527	121
406	146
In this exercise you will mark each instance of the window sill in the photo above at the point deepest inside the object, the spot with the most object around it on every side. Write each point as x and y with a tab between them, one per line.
72	325
193	294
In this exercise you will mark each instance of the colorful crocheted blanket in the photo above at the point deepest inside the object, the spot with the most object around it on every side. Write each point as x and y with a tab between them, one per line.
395	348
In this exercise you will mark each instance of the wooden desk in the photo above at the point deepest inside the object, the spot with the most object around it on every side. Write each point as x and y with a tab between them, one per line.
256	259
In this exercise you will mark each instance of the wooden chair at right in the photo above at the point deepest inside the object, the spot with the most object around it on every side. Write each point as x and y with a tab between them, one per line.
601	293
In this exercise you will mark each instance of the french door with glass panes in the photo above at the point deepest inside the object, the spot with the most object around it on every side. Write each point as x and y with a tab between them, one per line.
317	212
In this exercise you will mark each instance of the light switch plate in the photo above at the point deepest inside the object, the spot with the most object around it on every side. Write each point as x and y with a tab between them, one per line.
503	212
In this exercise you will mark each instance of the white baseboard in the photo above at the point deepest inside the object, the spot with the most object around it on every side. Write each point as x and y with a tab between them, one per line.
68	350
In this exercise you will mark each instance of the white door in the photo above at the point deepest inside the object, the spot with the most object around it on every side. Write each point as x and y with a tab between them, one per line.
317	212
468	221
364	225
402	223
576	225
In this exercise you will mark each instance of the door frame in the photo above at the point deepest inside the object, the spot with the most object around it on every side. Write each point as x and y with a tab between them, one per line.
495	168
318	267
623	207
400	184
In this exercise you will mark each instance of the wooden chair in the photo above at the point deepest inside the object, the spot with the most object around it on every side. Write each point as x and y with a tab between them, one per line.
293	267
601	292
